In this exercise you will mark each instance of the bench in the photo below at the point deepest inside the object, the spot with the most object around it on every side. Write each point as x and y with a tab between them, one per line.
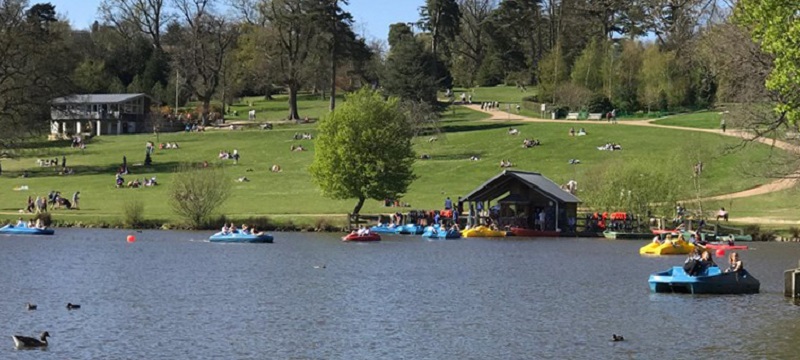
573	116
596	116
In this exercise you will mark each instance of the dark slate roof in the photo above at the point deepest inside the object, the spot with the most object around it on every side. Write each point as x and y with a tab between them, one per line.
535	180
96	98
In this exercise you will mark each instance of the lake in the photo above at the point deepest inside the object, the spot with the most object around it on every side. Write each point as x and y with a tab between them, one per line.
173	295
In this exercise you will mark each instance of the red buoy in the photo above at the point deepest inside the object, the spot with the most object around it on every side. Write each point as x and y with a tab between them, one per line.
131	238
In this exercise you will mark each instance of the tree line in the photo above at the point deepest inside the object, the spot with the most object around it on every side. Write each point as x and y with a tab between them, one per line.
579	54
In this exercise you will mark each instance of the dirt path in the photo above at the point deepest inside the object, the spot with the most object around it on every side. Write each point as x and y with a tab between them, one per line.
776	185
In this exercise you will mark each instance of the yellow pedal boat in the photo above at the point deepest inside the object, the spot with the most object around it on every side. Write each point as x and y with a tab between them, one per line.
482	231
669	247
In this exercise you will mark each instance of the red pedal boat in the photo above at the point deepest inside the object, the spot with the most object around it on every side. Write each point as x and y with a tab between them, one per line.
356	237
725	247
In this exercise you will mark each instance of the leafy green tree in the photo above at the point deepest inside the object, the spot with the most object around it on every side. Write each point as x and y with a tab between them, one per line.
775	25
409	71
586	70
349	161
553	72
654	77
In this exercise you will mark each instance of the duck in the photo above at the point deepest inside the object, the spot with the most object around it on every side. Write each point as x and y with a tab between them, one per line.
319	266
71	306
30	342
615	337
31	306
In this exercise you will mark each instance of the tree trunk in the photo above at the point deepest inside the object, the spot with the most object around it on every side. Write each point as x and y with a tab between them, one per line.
206	110
293	115
333	80
358	207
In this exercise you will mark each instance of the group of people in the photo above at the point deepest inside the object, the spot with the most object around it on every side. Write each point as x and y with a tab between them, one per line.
528	143
506	163
361	231
77	142
172	145
581	132
297	148
54	200
228	230
38	224
698	262
135	183
303	136
490	105
225	155
610	147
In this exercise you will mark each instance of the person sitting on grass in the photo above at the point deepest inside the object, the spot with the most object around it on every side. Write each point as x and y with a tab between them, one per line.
120	180
275	168
582	132
572	131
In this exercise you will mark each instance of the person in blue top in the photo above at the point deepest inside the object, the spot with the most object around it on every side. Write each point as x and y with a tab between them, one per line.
21	223
448	204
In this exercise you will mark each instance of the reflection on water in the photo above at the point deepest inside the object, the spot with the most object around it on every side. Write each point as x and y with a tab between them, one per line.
172	295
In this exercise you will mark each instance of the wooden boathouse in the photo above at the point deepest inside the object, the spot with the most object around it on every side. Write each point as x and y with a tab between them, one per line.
520	199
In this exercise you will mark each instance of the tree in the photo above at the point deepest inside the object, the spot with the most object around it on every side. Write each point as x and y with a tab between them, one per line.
289	38
775	26
409	72
147	17
30	75
205	40
350	163
197	193
586	70
553	72
441	18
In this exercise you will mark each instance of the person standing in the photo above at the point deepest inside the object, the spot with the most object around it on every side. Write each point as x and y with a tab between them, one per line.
448	204
235	156
722	124
63	162
75	197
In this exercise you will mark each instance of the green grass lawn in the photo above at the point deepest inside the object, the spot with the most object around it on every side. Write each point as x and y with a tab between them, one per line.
503	94
292	192
700	120
277	109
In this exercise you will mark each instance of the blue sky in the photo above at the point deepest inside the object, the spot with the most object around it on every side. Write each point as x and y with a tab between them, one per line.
373	17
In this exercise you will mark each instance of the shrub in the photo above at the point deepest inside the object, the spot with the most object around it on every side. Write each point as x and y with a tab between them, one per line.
795	232
45	217
133	213
196	194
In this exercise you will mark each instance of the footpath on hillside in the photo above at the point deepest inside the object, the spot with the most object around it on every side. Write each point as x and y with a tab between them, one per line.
773	186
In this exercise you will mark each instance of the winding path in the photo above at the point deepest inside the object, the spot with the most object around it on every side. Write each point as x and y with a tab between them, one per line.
776	185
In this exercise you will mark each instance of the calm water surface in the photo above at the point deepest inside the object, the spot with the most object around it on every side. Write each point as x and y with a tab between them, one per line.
172	295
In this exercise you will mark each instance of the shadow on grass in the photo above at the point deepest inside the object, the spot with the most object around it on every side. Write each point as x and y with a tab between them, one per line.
134	170
477	127
458	156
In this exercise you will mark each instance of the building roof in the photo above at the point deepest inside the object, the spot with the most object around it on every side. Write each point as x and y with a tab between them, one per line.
494	187
96	98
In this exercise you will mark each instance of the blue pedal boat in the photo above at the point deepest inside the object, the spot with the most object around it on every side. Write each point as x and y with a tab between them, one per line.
710	281
434	232
24	230
240	237
410	229
384	229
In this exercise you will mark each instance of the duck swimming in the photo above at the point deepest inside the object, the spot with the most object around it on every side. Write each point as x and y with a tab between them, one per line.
31	306
615	337
29	342
71	306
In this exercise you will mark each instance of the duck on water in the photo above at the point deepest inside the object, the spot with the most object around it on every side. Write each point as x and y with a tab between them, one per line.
30	342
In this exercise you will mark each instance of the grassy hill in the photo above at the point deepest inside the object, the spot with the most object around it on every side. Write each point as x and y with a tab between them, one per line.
292	193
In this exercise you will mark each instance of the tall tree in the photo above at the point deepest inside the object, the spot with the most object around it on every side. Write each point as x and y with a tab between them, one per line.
29	76
148	17
441	18
471	45
349	163
204	41
409	72
290	38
